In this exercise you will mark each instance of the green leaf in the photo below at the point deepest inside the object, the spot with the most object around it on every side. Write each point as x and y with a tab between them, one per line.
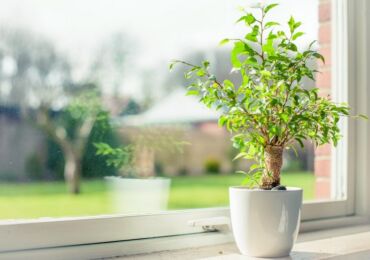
311	44
284	117
291	23
297	35
269	7
251	37
300	142
240	19
297	24
270	24
249	19
254	166
251	61
319	56
363	117
192	92
238	49
265	73
295	151
201	72
228	83
224	41
292	47
171	65
268	47
222	120
247	181
240	155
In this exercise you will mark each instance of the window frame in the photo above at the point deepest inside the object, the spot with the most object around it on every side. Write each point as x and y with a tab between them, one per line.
20	237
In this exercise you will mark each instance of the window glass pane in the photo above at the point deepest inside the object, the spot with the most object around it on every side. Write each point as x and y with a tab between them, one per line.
81	77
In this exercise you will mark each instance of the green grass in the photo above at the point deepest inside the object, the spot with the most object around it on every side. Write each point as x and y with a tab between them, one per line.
212	190
49	199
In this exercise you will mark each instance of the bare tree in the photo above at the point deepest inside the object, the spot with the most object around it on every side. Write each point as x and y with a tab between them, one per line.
109	65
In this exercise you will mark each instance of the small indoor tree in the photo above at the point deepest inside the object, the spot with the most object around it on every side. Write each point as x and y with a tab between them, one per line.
270	110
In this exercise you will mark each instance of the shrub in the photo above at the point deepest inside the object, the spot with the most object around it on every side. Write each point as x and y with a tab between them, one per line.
212	165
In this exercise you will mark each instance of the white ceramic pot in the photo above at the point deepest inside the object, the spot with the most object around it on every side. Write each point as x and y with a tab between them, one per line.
135	196
265	223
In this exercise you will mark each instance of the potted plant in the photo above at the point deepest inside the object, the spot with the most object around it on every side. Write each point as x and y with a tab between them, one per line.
137	189
268	112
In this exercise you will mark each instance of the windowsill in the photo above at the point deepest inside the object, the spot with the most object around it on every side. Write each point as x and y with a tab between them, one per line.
187	246
341	243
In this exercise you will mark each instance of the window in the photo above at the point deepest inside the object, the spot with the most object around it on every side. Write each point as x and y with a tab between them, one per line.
61	73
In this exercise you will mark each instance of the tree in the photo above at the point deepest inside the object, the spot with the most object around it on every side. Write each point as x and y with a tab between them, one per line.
72	135
270	110
36	72
42	85
109	65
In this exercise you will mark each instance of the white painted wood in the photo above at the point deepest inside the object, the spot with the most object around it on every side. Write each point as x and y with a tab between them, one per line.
331	223
324	209
359	73
77	231
119	248
339	72
337	244
194	246
212	224
168	244
42	233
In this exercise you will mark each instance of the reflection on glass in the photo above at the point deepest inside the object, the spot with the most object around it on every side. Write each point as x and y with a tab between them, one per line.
92	122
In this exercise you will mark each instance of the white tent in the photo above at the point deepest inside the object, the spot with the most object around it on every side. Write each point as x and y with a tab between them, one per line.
176	108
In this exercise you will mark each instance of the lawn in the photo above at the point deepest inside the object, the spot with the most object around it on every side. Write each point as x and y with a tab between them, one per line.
49	199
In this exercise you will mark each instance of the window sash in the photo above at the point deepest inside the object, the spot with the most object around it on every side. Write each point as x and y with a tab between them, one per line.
41	233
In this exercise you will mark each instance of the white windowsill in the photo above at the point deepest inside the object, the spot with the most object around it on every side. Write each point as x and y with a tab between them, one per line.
343	243
210	244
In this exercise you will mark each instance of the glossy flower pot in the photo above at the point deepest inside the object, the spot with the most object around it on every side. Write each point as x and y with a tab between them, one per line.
265	223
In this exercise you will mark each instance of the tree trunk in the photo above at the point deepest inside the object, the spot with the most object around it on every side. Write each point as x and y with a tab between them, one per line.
72	171
273	164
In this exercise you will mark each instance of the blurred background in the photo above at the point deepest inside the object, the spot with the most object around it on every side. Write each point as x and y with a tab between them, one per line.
74	74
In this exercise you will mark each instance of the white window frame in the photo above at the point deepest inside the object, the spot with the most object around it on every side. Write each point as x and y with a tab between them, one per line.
117	235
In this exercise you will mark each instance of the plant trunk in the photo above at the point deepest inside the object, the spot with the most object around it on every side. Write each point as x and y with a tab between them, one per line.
273	164
72	171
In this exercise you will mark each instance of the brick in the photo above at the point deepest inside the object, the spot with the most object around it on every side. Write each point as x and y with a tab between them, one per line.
322	188
323	150
326	52
324	92
323	79
325	11
325	33
322	167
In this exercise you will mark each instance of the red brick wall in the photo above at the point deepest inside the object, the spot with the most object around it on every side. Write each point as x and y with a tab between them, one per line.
323	81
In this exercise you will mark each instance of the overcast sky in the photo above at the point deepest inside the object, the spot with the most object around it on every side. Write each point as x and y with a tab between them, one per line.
160	30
